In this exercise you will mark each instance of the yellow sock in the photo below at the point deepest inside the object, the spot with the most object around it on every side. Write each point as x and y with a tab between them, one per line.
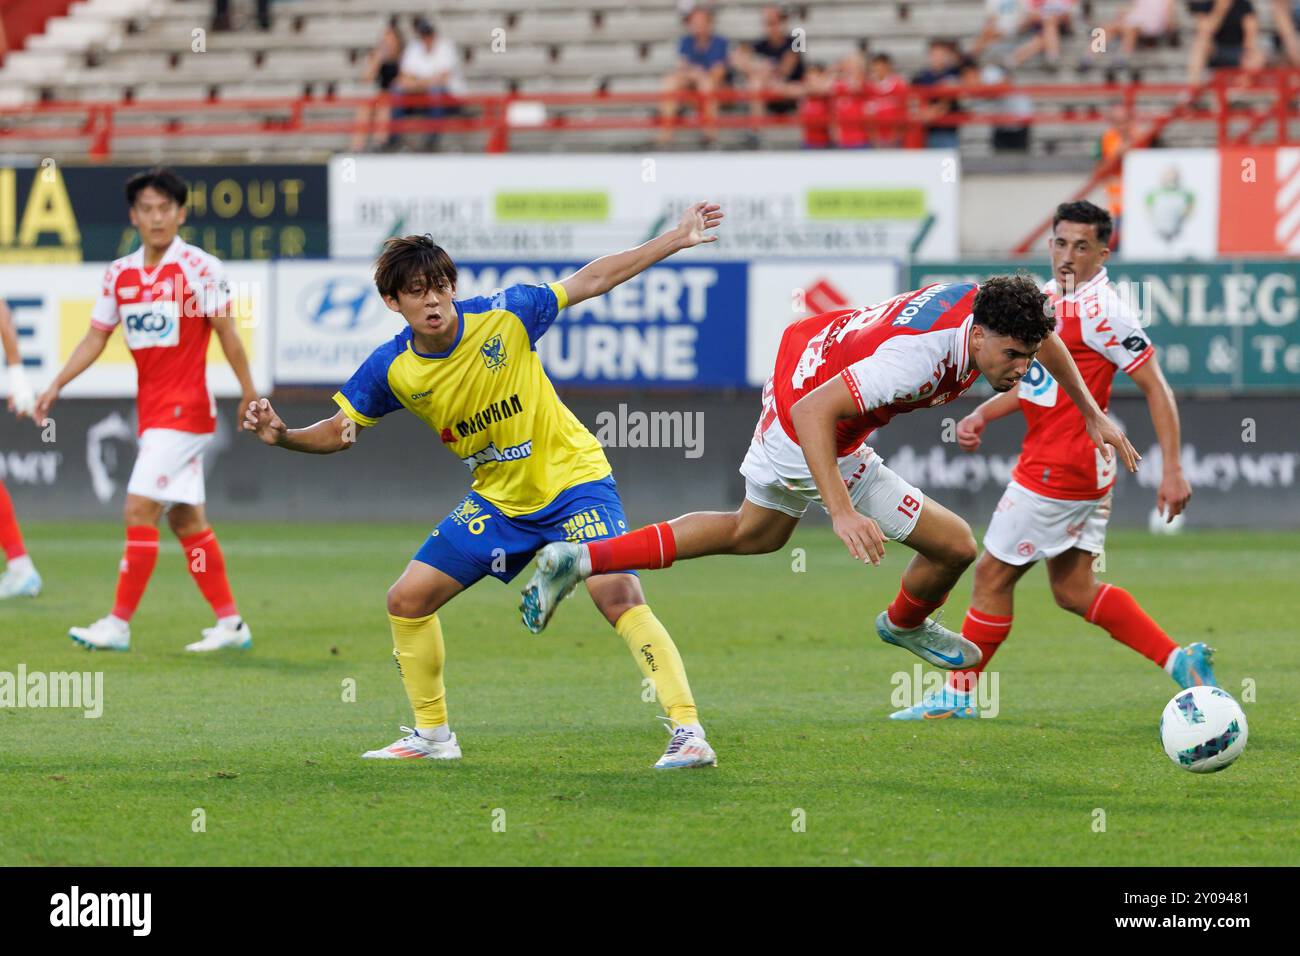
419	652
657	656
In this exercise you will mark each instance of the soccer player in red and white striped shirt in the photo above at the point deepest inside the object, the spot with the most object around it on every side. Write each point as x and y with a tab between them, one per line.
1058	503
839	376
169	297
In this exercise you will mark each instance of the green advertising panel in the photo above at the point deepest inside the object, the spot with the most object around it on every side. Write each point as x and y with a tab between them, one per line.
1229	326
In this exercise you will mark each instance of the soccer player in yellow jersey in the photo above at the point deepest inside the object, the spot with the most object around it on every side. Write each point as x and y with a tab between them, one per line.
469	369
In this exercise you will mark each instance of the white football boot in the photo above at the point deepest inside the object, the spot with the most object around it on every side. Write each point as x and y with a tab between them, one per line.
415	747
932	642
558	572
19	583
219	636
106	634
686	749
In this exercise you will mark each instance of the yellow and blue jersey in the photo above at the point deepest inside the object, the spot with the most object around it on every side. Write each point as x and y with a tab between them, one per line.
488	398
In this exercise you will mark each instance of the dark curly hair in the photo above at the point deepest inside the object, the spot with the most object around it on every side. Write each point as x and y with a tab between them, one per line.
1014	306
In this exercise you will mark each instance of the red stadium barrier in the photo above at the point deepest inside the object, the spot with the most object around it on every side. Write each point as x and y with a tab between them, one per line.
1240	106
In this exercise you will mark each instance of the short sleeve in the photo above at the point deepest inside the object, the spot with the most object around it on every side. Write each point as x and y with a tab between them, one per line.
1110	327
211	290
104	315
894	371
367	397
536	305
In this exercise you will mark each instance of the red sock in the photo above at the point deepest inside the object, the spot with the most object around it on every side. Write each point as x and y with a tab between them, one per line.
1115	610
11	538
208	567
908	612
987	632
649	548
137	564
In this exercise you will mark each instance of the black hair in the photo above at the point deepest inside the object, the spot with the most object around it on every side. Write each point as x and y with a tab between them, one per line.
160	178
1090	214
410	262
1014	306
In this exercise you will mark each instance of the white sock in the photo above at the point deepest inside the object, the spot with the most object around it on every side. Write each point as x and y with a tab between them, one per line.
229	623
696	729
584	562
441	734
1171	660
21	565
121	624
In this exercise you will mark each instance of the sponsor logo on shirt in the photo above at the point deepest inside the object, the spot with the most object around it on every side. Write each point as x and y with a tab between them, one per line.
1038	386
150	324
496	412
1135	344
492	453
929	305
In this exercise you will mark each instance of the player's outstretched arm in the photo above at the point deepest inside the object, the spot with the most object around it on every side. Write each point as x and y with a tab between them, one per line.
600	275
971	428
325	437
22	400
83	356
1174	491
814	417
1055	357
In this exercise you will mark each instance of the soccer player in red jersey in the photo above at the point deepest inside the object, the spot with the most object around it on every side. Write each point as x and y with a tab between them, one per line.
169	297
1059	500
20	578
839	376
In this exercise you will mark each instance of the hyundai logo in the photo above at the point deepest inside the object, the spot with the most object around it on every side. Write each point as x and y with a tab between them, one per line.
341	305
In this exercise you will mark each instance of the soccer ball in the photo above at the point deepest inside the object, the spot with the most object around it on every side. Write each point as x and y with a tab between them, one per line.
1157	524
1203	729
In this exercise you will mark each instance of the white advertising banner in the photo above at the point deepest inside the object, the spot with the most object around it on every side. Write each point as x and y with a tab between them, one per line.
785	292
890	203
51	308
1171	204
328	318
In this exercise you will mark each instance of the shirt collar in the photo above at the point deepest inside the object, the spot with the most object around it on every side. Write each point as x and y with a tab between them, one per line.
963	347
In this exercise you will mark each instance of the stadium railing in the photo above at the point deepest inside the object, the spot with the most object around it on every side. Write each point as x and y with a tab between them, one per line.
1240	107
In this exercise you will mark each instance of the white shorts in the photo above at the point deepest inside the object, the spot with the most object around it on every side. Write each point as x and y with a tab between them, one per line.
777	477
1028	527
169	466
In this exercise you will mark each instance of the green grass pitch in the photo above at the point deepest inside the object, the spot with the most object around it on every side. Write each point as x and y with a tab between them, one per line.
791	681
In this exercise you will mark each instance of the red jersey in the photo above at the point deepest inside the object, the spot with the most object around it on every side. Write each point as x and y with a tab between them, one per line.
909	352
1059	460
164	313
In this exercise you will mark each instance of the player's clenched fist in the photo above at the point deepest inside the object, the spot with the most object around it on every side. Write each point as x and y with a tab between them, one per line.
861	536
969	431
260	419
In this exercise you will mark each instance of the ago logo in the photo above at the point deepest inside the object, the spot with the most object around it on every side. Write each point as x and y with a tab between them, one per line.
37	223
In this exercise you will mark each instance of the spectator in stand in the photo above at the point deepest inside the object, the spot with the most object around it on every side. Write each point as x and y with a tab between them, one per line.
942	60
772	65
383	64
221	15
815	107
430	65
886	102
1048	20
1118	138
1142	21
848	100
702	68
1226	35
1003	24
1286	21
